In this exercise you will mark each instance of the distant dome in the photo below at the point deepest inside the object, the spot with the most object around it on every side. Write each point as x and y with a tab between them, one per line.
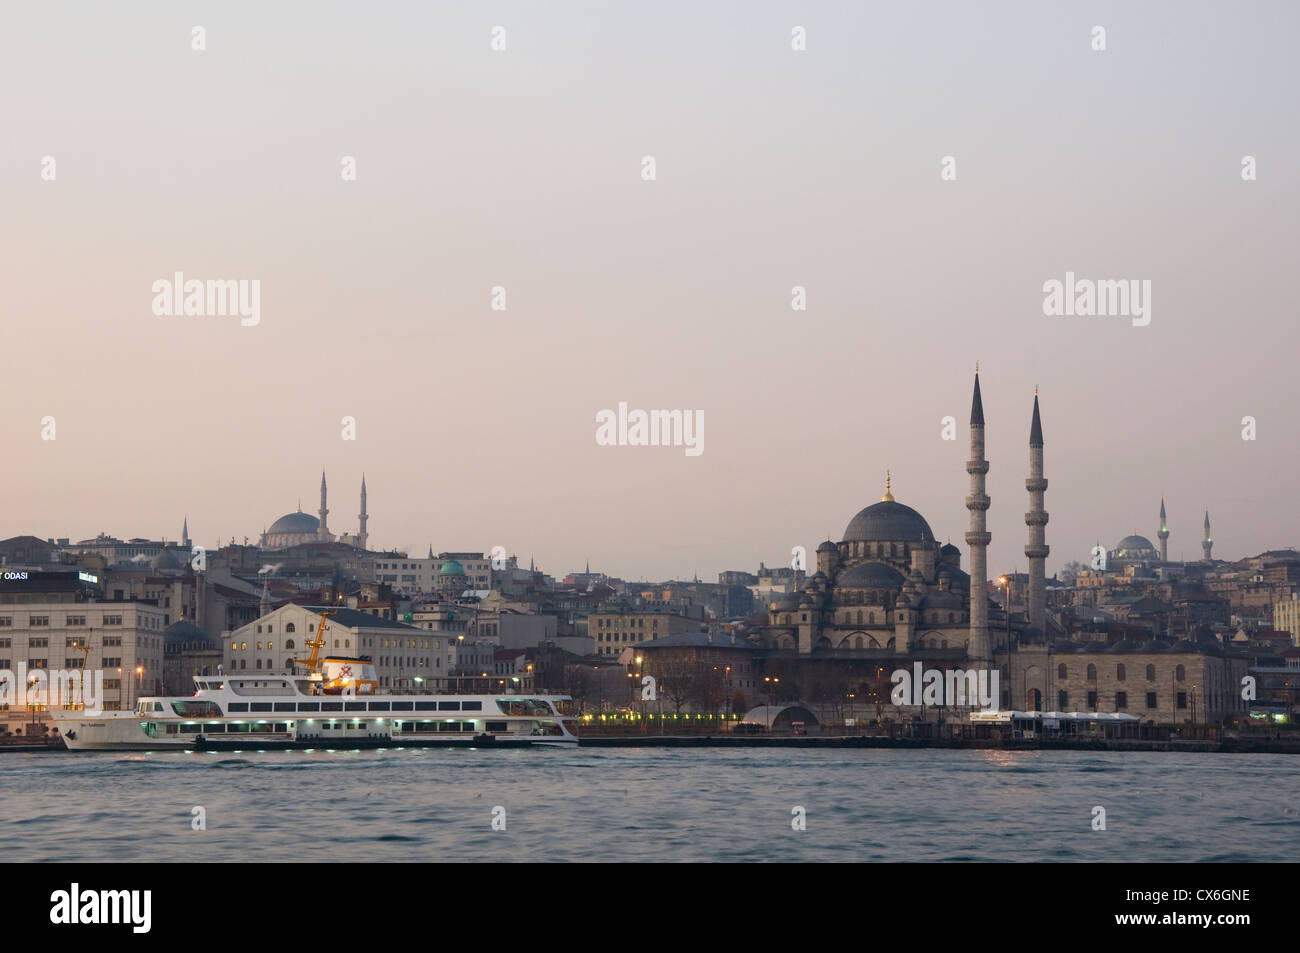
295	523
1134	547
451	568
166	559
827	547
949	550
870	576
888	521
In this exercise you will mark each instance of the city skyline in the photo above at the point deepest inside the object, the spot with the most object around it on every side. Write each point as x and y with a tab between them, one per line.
522	169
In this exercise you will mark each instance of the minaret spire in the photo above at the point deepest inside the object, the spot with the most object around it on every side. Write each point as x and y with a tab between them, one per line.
185	532
1164	533
323	533
1207	543
1036	520
978	538
362	535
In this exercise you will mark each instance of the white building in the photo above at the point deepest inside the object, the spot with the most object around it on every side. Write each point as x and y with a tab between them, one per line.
404	657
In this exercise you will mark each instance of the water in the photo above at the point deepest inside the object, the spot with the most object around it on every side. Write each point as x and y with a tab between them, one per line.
610	804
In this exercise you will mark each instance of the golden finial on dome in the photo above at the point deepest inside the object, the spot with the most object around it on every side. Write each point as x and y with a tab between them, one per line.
888	497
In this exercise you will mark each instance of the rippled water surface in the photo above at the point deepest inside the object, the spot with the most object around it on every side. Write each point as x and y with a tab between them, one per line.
615	804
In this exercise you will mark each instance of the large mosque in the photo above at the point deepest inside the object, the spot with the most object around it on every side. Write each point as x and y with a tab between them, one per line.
888	584
295	529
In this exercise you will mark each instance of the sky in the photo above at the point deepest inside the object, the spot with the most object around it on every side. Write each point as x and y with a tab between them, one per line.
522	168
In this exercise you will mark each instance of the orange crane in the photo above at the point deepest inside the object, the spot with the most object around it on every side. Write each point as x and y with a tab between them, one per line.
317	644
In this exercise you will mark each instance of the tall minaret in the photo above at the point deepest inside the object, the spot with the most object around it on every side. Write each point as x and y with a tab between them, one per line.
1164	533
978	537
185	533
362	535
1207	543
323	533
1036	520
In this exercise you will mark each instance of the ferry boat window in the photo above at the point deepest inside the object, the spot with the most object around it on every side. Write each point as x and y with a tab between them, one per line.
379	706
309	706
426	706
402	706
331	706
471	706
196	708
354	706
281	726
215	729
497	726
238	706
448	706
259	706
285	706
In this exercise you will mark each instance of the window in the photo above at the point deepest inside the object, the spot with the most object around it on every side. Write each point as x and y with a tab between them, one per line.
1151	700
1121	673
1092	701
1180	674
76	620
6	621
1151	673
1092	672
1063	700
112	620
290	627
37	621
1061	672
38	643
112	663
1121	700
1182	699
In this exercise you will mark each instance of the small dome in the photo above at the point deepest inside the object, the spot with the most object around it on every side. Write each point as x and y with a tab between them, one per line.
943	599
949	549
167	559
828	547
451	568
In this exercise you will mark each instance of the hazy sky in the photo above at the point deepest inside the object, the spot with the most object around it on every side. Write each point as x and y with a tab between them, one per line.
522	168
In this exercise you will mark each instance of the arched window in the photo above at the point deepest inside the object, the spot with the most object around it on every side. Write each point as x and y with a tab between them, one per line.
1151	673
857	643
1121	673
859	621
259	663
290	627
288	643
1062	673
1180	673
952	617
1092	672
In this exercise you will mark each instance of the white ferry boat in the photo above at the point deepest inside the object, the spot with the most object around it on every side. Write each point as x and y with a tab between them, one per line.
333	704
242	712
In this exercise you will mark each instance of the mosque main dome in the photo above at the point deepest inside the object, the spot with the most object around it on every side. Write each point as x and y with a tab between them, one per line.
1134	547
295	523
888	521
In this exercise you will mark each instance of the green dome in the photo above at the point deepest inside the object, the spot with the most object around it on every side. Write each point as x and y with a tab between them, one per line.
451	568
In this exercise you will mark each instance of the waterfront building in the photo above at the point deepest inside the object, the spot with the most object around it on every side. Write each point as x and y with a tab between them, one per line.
56	620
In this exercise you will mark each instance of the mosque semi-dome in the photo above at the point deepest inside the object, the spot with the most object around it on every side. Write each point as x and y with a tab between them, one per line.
888	521
870	576
295	523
